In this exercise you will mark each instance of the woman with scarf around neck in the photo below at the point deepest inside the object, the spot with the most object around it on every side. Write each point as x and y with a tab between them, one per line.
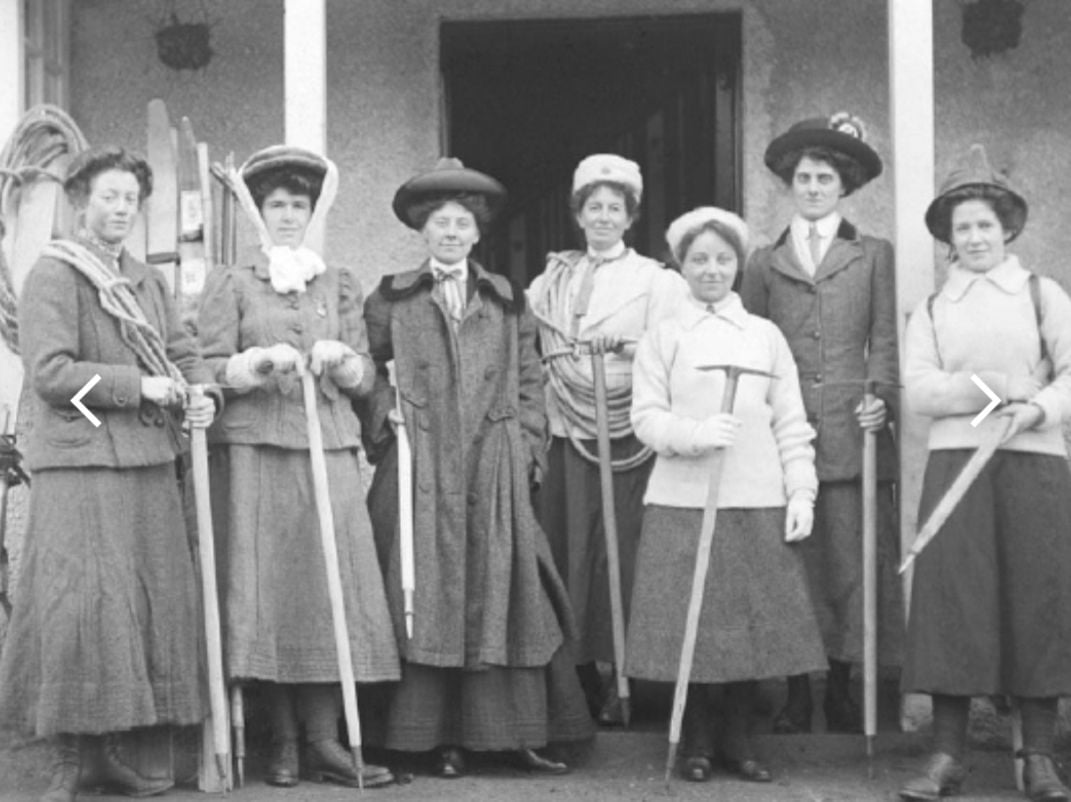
606	295
260	322
487	667
990	600
756	620
105	634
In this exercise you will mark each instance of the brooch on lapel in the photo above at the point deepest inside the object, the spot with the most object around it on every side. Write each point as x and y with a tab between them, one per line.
321	308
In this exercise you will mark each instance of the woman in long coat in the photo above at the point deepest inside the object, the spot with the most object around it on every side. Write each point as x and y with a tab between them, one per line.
486	667
607	296
756	620
105	635
991	603
260	322
831	291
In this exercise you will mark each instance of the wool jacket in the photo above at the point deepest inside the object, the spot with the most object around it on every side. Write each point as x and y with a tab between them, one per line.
841	326
985	324
240	310
67	338
672	395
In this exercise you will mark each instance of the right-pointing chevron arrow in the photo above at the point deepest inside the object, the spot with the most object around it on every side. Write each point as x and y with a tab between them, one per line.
994	400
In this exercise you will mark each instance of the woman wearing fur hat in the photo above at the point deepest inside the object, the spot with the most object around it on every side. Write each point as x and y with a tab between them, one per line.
280	311
991	605
831	291
105	635
756	620
485	668
606	295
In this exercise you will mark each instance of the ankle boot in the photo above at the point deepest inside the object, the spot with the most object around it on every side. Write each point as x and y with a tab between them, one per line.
116	775
942	776
66	768
841	712
795	717
1041	780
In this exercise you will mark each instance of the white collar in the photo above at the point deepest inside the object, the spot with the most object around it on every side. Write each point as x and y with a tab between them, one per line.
1009	276
729	308
611	253
460	268
827	226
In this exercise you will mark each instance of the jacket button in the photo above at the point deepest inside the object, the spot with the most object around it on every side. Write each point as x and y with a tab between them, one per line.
120	400
818	379
473	498
297	328
817	335
490	373
812	289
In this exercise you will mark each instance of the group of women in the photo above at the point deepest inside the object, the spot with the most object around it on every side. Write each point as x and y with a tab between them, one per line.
511	632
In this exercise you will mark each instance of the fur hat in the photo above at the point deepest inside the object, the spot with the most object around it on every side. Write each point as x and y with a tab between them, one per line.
841	132
973	170
608	167
697	218
447	176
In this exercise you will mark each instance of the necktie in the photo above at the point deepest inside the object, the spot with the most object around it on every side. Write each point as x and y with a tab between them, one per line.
583	294
814	241
452	292
711	309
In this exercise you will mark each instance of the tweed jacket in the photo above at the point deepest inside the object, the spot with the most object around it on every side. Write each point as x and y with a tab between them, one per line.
486	589
841	327
67	338
240	310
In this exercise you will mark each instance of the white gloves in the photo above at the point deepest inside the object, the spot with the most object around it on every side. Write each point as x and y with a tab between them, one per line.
253	367
341	363
799	516
717	431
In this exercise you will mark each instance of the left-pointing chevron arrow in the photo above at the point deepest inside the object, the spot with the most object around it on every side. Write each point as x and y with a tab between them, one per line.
77	400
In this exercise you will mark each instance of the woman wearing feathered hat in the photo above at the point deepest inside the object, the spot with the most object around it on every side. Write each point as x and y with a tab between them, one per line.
486	667
831	290
277	312
755	621
606	295
991	604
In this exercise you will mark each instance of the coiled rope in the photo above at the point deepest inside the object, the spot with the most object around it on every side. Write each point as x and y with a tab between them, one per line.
573	387
43	134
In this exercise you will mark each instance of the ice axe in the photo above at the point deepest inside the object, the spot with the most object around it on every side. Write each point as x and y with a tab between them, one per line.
702	563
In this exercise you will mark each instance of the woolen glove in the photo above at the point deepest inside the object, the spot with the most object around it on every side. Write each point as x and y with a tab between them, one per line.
799	516
717	431
245	369
328	354
349	373
284	359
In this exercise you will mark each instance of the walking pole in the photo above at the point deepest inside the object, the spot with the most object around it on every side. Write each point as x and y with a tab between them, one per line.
238	727
217	691
405	517
870	585
334	578
609	520
702	563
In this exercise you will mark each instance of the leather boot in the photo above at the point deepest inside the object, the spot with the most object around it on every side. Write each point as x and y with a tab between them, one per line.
841	712
66	768
942	776
283	764
116	775
329	761
1041	780
795	717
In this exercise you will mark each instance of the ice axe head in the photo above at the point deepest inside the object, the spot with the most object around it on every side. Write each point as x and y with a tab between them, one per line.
732	376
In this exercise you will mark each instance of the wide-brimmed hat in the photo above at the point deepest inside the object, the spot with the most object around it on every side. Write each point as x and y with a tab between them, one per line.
608	167
841	132
697	218
973	170
447	176
285	158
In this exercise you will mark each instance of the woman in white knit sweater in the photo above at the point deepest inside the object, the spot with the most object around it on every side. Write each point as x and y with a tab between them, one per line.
991	602
757	620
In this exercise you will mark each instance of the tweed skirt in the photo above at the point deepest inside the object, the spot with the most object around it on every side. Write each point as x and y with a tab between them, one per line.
991	597
833	556
569	508
756	620
276	614
105	633
492	708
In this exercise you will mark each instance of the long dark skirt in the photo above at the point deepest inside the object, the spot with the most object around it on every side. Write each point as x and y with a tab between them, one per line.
490	709
277	623
105	633
991	600
833	556
569	508
756	620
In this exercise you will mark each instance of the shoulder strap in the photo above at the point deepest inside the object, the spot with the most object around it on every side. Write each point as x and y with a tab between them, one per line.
933	327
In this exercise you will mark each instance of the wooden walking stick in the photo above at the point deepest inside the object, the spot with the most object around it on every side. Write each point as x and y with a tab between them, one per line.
405	517
870	585
609	525
238	727
702	563
206	546
334	577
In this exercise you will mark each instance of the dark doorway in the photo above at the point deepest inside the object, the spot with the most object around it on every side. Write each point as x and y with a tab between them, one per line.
526	100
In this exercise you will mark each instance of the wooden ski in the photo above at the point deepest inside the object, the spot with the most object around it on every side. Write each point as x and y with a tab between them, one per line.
161	215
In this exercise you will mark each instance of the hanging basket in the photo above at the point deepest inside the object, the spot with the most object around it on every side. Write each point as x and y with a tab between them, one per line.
991	27
184	45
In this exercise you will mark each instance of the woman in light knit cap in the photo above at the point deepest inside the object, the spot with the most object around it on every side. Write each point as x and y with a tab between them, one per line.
607	296
280	310
756	620
991	602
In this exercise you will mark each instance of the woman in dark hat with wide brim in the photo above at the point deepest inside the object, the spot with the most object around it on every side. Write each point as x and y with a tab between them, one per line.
487	666
991	604
831	290
262	321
